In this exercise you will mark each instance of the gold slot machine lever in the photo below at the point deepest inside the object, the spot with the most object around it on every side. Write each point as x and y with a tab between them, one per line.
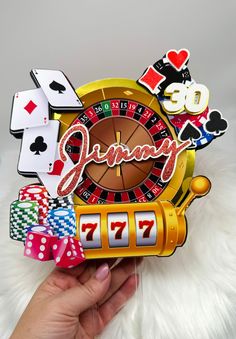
199	187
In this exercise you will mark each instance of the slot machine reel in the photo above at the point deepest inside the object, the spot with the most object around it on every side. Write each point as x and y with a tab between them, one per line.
144	229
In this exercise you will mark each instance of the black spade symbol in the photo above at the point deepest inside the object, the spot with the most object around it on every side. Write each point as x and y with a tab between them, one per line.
55	86
38	146
189	132
216	124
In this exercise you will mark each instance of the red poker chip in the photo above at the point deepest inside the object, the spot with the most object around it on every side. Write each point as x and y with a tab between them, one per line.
36	197
42	221
42	217
39	198
39	194
43	208
32	191
43	211
180	119
41	202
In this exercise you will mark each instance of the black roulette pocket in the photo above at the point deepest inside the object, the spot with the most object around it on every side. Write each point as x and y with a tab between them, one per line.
120	176
119	111
127	209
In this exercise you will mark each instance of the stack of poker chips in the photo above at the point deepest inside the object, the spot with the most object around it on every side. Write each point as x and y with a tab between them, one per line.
62	220
61	202
39	194
46	229
22	214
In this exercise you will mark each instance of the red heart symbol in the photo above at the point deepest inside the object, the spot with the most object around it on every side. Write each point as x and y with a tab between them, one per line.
178	58
57	167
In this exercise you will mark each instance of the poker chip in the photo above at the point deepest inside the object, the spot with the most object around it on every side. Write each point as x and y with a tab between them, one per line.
179	120
61	202
126	116
36	193
172	75
46	229
62	220
205	139
22	215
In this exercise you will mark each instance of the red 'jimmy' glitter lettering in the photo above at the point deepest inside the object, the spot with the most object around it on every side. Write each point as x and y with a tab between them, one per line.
114	155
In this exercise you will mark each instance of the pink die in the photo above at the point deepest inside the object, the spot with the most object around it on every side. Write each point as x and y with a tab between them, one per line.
67	252
38	246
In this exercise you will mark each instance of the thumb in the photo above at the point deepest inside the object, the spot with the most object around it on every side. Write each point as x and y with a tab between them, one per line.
80	298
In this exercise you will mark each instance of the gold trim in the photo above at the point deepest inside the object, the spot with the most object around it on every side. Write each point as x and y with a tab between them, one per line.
132	249
171	224
171	229
128	89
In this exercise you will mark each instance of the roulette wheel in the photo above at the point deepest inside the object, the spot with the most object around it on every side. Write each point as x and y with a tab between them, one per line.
127	209
119	178
119	111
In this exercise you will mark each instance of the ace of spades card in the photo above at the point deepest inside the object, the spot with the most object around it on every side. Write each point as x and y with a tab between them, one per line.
60	93
38	148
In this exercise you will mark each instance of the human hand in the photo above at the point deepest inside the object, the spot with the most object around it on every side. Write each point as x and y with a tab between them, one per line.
78	302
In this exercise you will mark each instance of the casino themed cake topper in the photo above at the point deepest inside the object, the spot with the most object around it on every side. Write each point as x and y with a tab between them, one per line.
114	162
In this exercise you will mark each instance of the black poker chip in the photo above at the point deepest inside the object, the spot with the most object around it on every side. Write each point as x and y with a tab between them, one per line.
172	75
61	202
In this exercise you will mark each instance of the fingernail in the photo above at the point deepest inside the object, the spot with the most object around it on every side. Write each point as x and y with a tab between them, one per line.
102	272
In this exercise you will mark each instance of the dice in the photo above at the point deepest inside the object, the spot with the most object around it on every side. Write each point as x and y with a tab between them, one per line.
67	252
38	243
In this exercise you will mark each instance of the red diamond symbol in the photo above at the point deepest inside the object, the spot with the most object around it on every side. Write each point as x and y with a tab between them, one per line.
151	79
30	106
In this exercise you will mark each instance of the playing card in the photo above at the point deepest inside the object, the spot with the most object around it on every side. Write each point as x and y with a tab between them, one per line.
57	88
29	109
38	148
51	180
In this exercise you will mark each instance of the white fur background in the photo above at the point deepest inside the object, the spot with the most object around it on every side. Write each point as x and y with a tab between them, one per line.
191	295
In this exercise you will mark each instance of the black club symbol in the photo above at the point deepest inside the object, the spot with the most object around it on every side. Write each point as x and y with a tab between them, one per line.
216	124
38	146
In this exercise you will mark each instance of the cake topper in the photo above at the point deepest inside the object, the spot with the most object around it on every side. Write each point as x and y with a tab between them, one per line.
114	161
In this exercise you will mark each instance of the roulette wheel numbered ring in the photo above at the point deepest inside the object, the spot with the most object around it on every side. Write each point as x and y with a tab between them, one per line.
121	112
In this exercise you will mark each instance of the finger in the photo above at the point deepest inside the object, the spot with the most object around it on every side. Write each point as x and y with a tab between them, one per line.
85	269
91	268
110	261
94	320
81	297
110	308
75	271
120	274
56	282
